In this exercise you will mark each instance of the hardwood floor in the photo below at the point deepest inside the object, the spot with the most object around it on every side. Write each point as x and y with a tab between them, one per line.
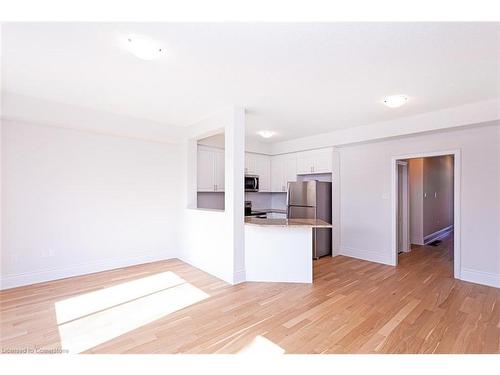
353	306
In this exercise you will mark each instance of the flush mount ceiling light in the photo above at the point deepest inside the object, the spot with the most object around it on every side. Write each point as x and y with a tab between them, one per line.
395	101
266	133
143	48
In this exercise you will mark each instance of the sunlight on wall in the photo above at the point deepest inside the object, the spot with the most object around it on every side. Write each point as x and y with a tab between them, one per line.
91	319
260	345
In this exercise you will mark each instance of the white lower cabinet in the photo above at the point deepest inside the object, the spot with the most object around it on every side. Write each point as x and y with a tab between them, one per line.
210	169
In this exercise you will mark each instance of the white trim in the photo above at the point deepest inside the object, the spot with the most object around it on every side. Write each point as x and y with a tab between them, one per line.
406	205
457	163
335	202
437	234
28	278
239	277
480	277
369	255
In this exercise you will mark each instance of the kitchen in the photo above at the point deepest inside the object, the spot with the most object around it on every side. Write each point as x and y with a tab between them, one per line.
288	200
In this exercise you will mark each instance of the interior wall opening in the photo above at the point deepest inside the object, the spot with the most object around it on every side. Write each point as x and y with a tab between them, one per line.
425	207
210	172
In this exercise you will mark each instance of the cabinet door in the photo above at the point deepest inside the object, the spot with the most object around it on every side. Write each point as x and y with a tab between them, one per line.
250	163
219	170
323	161
290	170
305	163
263	170
277	168
205	170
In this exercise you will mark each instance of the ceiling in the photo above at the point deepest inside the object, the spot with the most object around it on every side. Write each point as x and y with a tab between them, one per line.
294	79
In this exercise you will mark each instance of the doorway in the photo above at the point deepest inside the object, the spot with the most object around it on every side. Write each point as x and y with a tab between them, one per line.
426	203
403	232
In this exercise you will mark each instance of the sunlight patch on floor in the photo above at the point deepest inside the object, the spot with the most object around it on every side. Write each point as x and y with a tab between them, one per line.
91	319
89	303
262	346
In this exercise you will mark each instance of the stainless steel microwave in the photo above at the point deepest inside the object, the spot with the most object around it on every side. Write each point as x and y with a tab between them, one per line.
251	183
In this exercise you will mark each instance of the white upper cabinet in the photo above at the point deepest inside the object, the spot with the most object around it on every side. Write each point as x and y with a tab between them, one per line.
316	161
210	169
205	170
219	170
250	163
283	170
277	167
263	170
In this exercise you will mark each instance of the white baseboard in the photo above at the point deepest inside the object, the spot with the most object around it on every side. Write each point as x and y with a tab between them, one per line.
438	234
210	270
480	277
39	276
239	277
371	256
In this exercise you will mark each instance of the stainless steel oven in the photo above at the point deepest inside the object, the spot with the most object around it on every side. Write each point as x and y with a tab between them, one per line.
251	182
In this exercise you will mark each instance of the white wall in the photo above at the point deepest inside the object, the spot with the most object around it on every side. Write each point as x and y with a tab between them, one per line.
448	118
16	107
76	202
210	240
366	187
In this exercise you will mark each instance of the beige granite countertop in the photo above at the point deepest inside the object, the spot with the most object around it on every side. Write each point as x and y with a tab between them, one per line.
310	223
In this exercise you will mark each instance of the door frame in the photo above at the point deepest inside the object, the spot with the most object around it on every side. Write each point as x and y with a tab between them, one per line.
457	163
406	203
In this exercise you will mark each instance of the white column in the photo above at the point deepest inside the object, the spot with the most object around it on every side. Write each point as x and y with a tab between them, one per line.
234	189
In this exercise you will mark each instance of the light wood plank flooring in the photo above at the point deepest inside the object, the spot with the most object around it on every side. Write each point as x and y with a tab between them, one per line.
353	306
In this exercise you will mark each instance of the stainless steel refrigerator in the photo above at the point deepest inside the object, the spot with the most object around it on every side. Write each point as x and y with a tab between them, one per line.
312	200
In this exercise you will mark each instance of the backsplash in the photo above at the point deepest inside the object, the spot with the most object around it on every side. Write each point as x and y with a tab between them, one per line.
267	200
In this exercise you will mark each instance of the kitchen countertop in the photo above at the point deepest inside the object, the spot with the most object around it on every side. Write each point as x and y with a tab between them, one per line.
309	223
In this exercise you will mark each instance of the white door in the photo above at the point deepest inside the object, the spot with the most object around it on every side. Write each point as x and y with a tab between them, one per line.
219	170
205	170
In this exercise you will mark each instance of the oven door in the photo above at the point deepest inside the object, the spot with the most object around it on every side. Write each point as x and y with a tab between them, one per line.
251	183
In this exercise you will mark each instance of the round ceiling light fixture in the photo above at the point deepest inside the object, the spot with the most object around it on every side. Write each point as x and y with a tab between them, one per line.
395	101
266	133
143	48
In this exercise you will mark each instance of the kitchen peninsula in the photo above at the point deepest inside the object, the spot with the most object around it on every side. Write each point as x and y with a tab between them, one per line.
280	250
